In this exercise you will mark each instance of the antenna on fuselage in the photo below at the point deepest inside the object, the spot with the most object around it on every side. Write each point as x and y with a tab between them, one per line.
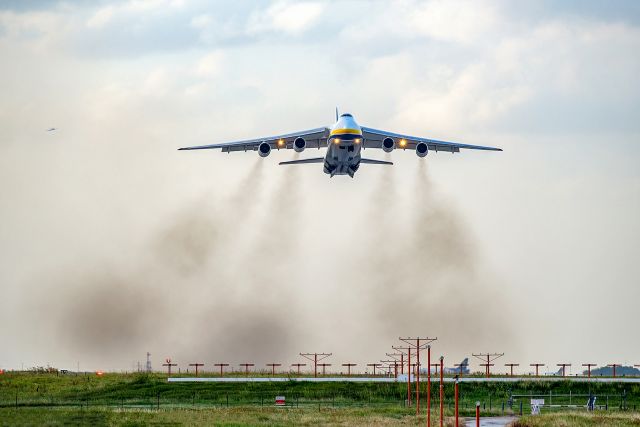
336	114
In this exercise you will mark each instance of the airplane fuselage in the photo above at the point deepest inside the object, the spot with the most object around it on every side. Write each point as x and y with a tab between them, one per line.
343	147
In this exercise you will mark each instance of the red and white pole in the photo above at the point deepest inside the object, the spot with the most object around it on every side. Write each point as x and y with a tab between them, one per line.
418	377
441	391
409	377
456	400
477	414
429	386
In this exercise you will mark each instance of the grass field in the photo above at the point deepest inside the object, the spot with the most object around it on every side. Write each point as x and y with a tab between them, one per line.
580	419
248	416
137	399
237	416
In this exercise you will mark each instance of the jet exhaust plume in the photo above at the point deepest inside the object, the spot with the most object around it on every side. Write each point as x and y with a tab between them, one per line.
429	278
230	280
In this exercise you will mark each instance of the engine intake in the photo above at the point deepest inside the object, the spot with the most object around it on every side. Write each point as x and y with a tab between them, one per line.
299	145
264	149
422	149
388	145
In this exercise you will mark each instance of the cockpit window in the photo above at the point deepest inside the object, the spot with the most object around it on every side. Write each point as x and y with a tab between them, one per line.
346	115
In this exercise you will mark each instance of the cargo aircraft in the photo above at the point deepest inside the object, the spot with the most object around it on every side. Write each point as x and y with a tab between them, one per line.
344	140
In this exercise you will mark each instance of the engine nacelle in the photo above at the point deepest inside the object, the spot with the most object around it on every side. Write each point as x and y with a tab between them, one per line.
299	145
422	149
264	149
388	145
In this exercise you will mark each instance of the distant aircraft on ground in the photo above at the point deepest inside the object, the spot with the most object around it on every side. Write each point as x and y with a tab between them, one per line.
462	367
557	373
344	141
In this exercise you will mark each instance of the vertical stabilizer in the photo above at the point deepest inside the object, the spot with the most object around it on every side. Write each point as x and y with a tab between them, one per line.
336	114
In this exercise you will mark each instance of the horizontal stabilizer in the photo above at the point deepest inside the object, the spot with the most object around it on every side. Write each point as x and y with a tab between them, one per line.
375	162
303	161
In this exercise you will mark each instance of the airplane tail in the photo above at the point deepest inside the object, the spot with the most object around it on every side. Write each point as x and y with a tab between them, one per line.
336	113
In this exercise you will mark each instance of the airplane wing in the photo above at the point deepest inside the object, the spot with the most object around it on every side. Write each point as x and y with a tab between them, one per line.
373	139
314	138
303	161
375	162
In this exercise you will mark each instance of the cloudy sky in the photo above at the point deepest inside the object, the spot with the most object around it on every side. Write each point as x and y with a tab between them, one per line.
113	243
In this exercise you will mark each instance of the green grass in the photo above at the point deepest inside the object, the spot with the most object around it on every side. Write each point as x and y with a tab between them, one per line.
115	399
238	416
113	386
580	419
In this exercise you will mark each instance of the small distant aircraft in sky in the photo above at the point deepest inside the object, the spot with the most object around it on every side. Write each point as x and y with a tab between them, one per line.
51	129
344	141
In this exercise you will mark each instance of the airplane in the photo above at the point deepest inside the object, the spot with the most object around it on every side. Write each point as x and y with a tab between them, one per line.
461	368
458	369
51	129
344	141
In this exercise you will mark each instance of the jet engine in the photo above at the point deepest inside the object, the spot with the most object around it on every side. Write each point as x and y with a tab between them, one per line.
299	145
264	149
422	149
388	145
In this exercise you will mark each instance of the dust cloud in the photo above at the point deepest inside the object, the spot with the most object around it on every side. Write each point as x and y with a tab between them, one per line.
427	277
101	308
256	322
227	279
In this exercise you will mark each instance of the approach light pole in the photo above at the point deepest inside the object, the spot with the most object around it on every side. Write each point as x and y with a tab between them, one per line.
349	366
537	365
324	365
614	366
392	363
197	365
168	364
589	365
461	366
429	386
315	358
246	367
488	357
416	344
511	365
375	365
456	395
408	352
221	365
273	368
394	356
298	365
441	390
564	367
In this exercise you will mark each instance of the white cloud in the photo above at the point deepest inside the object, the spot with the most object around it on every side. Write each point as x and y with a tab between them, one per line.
102	17
209	65
463	21
286	17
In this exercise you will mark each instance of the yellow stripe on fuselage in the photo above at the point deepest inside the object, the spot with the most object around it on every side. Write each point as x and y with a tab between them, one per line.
346	131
